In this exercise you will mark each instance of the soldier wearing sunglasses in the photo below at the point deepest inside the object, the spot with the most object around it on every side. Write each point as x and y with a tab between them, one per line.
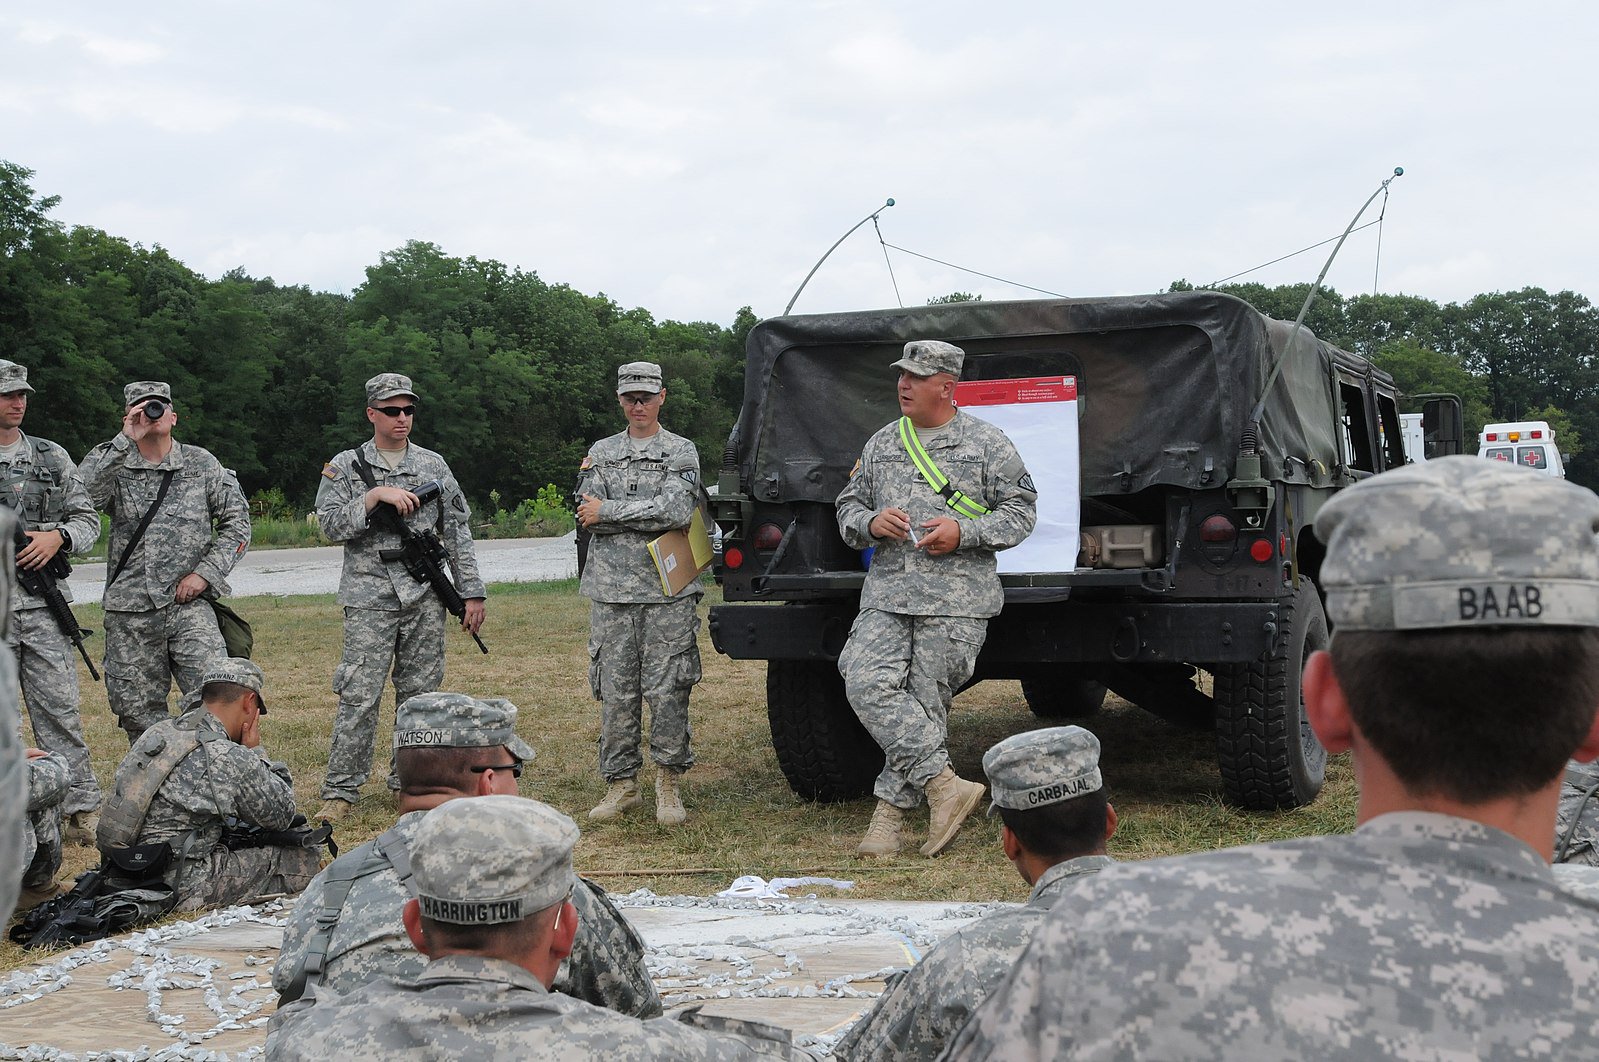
391	620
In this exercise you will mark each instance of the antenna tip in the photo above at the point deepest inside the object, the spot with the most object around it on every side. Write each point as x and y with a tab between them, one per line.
1399	171
890	202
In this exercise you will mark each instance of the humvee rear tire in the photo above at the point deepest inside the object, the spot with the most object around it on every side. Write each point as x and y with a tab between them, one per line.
1063	694
825	753
1270	759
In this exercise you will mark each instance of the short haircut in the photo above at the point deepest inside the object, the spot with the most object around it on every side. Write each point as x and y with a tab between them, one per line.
429	769
1063	830
1471	715
224	692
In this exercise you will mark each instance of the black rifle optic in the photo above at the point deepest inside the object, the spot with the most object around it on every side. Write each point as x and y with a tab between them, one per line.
422	553
45	584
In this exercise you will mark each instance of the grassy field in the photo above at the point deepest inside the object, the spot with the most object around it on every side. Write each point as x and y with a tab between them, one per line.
743	818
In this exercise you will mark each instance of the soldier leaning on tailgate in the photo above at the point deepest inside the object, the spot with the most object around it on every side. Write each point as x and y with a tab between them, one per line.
391	620
39	480
634	486
179	523
1463	674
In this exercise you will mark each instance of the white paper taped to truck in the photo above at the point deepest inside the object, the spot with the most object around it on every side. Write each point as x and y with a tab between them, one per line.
1040	416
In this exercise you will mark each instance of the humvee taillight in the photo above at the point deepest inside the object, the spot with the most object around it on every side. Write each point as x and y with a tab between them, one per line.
767	536
1217	529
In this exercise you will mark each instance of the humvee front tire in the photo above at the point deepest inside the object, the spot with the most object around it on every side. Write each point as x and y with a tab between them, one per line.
823	750
1063	694
1270	759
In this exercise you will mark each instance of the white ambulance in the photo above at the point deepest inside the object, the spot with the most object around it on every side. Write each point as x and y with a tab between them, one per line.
1525	442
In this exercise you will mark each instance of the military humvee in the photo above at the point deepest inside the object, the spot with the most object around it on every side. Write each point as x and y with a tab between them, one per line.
1222	581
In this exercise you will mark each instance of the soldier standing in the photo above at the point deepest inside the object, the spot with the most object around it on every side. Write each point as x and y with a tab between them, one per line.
165	559
391	619
1049	793
39	480
935	494
633	486
186	777
493	915
1463	674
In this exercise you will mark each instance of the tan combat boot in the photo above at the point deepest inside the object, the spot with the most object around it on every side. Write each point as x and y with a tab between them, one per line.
333	810
622	796
882	836
950	799
80	828
669	810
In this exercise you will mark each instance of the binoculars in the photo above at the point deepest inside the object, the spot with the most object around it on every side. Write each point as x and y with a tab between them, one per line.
155	409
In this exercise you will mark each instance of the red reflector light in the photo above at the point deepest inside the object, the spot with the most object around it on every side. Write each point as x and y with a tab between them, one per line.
1261	550
733	558
767	536
1537	435
1217	529
1493	436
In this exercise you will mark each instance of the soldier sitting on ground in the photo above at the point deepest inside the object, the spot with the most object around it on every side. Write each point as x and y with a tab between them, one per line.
492	914
1047	790
346	930
186	778
1577	820
1463	674
49	780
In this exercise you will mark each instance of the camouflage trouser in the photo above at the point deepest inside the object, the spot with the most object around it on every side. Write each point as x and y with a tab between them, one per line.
900	674
47	666
606	967
639	653
48	785
1578	816
145	651
246	875
411	641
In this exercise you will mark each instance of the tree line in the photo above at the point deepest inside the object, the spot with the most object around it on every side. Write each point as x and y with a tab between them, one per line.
516	374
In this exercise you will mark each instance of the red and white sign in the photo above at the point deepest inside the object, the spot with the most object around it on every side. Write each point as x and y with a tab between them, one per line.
1040	417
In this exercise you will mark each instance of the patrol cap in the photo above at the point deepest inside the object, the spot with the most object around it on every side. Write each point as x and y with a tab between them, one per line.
492	859
927	357
639	376
457	721
387	385
13	377
237	670
1460	542
1039	767
137	392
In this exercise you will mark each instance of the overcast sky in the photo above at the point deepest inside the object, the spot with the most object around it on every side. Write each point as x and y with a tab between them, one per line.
692	158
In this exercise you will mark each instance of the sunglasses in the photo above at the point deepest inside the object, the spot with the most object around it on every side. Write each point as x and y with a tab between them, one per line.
396	411
515	768
639	400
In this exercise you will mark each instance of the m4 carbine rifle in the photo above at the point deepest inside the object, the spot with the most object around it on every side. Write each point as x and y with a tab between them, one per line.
44	584
422	553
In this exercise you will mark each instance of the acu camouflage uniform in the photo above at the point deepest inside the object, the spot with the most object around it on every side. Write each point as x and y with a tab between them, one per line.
150	639
368	942
922	1010
1577	822
642	644
390	619
923	618
49	781
13	768
1419	936
218	779
1579	880
44	485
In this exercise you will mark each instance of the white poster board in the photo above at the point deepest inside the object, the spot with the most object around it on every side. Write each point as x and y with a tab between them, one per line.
1040	417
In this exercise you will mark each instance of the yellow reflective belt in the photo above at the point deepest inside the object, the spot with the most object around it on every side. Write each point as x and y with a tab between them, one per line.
936	479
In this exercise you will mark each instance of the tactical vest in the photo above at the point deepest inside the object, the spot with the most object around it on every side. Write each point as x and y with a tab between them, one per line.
14	480
123	816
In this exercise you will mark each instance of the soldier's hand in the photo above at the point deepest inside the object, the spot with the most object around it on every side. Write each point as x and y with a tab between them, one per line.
472	622
250	738
135	425
36	754
42	545
402	500
588	510
940	535
891	523
190	587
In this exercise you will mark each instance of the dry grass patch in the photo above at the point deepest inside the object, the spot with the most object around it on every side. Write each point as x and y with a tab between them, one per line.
743	818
